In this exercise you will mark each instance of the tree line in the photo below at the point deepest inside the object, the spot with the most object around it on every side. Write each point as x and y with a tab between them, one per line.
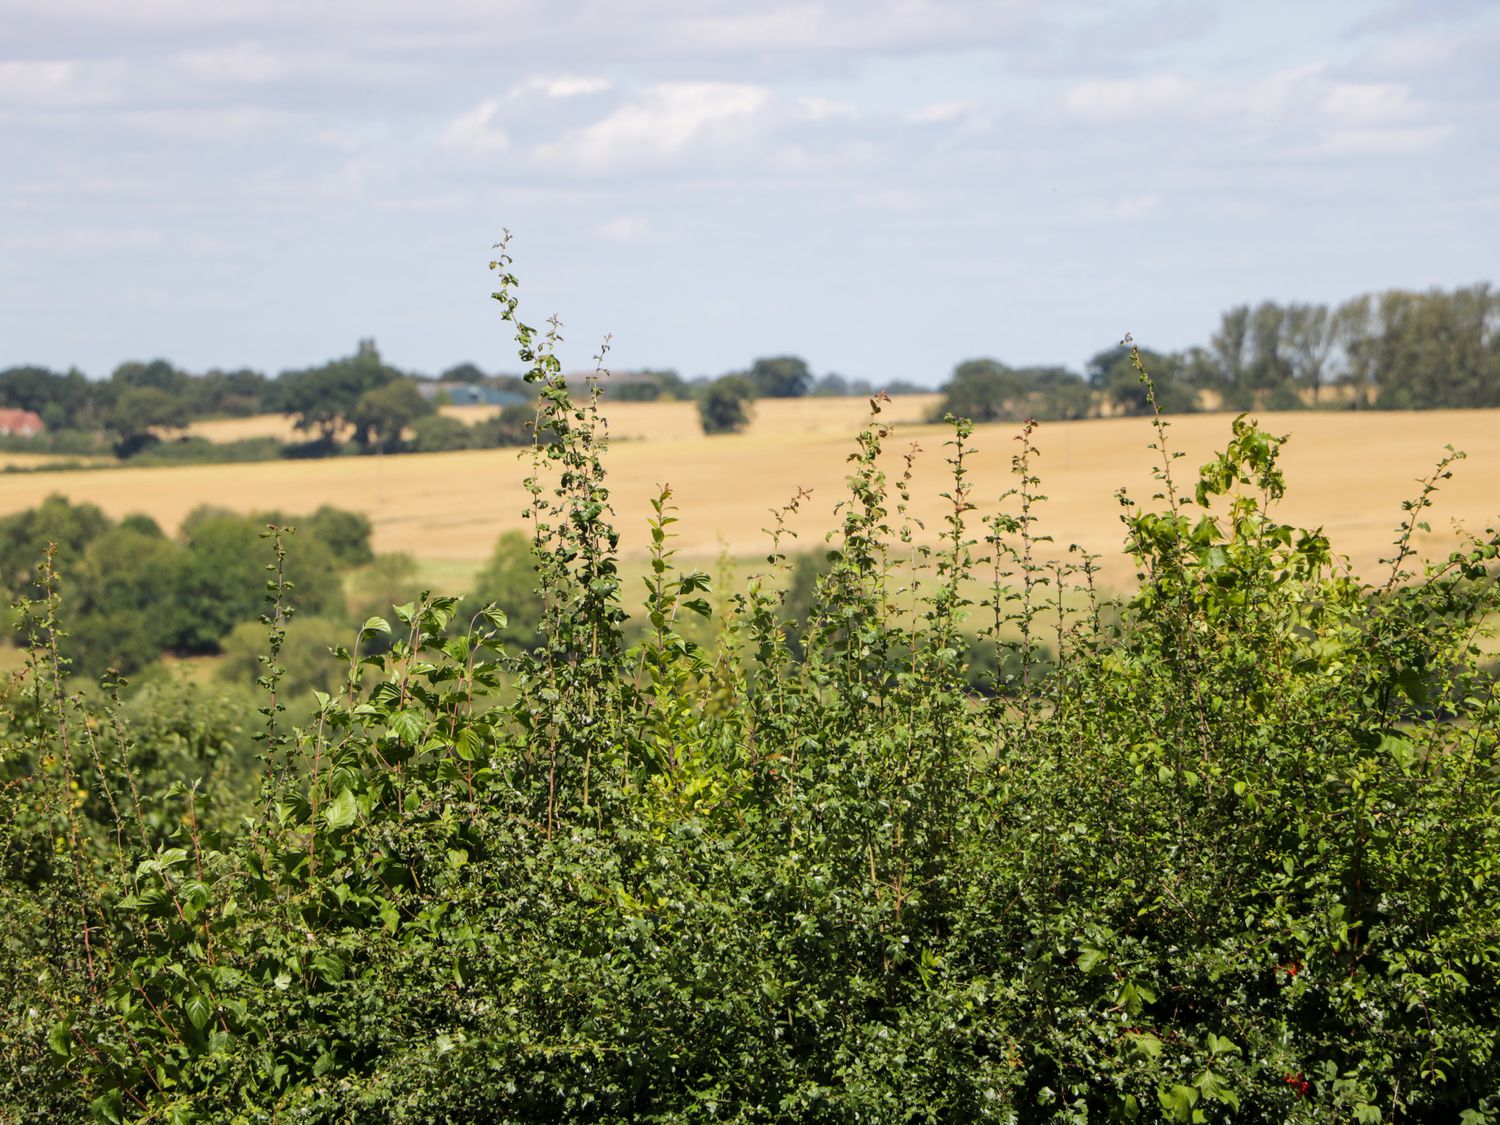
1396	350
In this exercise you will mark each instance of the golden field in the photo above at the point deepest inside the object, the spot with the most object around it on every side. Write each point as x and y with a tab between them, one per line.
1347	472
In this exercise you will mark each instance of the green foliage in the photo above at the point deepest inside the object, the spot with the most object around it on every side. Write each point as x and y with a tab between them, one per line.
784	376
509	581
437	433
985	390
724	405
382	414
218	582
1114	373
346	534
1233	858
324	398
305	661
133	593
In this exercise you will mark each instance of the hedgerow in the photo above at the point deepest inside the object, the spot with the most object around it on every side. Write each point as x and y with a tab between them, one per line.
1225	851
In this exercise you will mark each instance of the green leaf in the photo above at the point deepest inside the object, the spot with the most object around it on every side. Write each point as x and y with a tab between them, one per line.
407	725
199	1010
374	626
341	811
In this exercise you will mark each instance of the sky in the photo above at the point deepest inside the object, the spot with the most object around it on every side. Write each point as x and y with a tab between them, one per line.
884	187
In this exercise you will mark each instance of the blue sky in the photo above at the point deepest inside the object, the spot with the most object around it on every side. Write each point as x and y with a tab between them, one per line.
885	187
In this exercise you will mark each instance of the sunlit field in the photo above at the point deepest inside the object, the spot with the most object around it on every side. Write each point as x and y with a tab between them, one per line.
1347	472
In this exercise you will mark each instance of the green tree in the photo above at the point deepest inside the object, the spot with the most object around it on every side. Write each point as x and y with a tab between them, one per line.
68	401
783	376
510	581
346	534
1113	373
306	662
383	413
724	405
984	390
220	580
324	398
138	412
25	536
437	433
123	591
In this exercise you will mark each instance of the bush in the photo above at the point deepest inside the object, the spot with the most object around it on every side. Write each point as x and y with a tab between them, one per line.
724	405
1233	858
437	433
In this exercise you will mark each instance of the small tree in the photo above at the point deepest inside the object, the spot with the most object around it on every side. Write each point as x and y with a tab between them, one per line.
138	412
382	413
724	405
782	376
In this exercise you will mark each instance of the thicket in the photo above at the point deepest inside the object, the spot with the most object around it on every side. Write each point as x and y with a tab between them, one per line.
1233	857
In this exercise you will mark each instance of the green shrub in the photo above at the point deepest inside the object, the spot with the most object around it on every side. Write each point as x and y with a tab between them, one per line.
1232	858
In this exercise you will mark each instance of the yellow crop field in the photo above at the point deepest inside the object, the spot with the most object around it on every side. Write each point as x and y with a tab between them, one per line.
43	460
1347	472
636	421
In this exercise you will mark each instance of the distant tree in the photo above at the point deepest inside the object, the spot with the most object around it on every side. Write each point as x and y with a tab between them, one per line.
138	412
724	405
221	578
382	414
346	534
1353	333
1309	338
157	375
122	593
235	394
984	390
783	376
305	660
633	390
25	536
463	373
1113	374
437	433
511	426
389	580
324	398
1230	347
68	401
509	580
1269	372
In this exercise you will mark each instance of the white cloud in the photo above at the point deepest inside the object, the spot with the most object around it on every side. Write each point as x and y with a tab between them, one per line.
940	113
1385	142
626	228
663	123
475	132
1108	100
824	109
571	86
1127	209
87	240
1341	117
1369	103
55	84
240	62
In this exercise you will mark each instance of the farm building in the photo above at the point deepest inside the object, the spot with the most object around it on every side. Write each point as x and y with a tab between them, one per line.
20	423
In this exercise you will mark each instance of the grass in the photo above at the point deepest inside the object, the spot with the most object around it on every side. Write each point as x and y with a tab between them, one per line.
1348	471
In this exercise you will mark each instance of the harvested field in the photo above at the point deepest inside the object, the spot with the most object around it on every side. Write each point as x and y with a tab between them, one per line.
1348	472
